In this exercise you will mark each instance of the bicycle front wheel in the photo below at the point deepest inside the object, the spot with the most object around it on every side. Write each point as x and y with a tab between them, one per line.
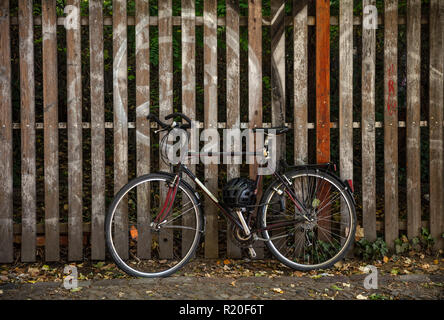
321	237
142	241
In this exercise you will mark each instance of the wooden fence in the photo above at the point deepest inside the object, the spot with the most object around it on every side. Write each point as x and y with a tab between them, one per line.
188	21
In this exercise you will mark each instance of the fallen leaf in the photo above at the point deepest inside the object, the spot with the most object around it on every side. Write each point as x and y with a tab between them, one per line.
361	297
278	290
45	267
335	287
33	271
1	291
226	261
76	289
134	233
233	283
385	259
435	261
344	284
359	233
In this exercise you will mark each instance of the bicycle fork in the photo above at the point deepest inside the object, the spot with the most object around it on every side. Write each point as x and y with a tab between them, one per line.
168	204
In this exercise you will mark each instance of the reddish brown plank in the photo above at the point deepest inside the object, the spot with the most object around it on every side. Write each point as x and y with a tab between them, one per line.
210	122
322	81
27	118
436	121
97	130
6	164
391	121
323	96
50	114
413	118
233	98
368	130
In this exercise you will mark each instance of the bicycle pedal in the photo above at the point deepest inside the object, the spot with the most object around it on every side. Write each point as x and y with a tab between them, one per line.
252	252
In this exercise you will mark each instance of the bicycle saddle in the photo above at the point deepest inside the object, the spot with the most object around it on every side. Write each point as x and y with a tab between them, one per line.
273	130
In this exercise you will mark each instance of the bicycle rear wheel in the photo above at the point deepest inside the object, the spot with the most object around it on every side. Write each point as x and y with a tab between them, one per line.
145	243
318	240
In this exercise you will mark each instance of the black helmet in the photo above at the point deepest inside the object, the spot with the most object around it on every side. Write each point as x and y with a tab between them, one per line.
239	192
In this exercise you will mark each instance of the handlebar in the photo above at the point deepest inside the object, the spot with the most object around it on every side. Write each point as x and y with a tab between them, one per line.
164	125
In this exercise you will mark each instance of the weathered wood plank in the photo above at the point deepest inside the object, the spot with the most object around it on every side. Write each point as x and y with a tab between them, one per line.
188	91
323	96
278	71
27	119
390	120
413	117
165	96
97	130
6	160
143	143
345	98
50	114
120	103
233	96
300	75
255	82
74	125
346	89
436	120
210	123
368	130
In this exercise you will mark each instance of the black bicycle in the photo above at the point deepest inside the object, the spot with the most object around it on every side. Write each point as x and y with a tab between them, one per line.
306	216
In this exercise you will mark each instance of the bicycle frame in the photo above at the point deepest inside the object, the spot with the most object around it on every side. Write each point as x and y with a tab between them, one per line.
227	212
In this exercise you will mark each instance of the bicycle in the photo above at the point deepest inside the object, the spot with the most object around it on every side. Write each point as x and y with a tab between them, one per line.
306	216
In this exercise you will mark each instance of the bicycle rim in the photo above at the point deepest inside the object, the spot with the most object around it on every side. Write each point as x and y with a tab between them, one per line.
142	241
322	238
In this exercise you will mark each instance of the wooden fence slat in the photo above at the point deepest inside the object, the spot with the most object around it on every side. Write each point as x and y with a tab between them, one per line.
210	122
255	82
50	113
436	120
322	81
27	113
323	95
300	75
413	118
346	89
97	130
120	103
74	125
390	119
233	96
278	71
143	143
165	95
188	91
6	160
368	130
345	98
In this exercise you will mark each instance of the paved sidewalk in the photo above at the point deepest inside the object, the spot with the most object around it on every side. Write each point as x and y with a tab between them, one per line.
324	286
